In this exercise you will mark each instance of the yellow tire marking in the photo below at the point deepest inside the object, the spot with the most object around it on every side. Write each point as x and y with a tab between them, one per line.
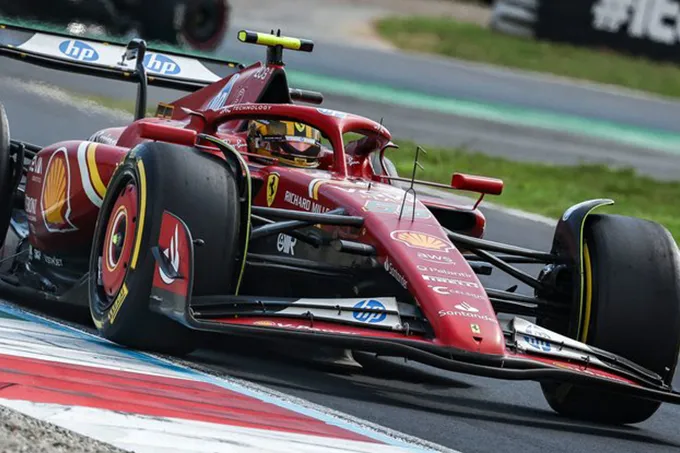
588	303
142	213
120	298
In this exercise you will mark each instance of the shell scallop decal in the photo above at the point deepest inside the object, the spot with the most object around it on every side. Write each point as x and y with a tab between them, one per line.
418	240
54	201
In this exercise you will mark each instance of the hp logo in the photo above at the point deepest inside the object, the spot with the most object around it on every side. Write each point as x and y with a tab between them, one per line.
370	317
78	50
161	64
537	343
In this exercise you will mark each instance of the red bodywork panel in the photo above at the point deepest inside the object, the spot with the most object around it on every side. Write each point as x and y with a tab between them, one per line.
65	186
414	248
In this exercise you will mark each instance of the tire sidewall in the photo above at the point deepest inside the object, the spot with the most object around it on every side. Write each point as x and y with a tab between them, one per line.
630	270
138	280
201	191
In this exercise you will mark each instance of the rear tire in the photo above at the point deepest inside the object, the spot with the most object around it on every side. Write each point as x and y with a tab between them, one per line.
194	186
158	21
631	272
205	23
201	24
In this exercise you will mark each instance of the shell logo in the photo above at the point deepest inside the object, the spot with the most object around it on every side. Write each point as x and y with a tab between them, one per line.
420	240
54	201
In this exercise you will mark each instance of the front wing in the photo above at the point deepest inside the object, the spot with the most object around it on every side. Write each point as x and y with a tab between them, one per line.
533	353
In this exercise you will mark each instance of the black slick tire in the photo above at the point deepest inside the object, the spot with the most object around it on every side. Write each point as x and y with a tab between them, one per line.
200	190
159	22
632	268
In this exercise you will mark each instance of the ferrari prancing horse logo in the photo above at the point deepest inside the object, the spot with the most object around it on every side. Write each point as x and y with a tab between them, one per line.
272	187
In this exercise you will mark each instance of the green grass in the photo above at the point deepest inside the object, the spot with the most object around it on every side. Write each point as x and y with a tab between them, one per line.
471	42
550	189
125	105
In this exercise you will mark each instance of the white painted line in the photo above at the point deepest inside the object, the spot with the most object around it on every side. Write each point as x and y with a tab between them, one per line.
30	340
143	434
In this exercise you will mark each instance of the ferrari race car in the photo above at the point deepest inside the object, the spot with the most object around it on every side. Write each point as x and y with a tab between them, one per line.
200	24
177	224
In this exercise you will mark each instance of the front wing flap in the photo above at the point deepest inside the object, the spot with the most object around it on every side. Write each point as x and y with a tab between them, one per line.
527	357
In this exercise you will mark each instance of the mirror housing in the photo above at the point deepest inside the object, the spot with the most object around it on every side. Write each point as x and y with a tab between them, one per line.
135	46
136	50
473	183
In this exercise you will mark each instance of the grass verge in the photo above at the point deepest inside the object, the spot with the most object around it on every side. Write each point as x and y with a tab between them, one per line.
471	42
550	189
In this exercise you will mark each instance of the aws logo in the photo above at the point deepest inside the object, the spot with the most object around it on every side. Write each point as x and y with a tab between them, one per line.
55	201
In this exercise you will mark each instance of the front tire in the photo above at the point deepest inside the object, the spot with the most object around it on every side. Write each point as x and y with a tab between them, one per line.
632	308
159	177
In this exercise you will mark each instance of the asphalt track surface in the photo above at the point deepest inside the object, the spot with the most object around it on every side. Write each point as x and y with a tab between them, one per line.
458	411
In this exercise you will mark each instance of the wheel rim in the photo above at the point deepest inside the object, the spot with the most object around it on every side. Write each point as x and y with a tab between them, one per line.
117	246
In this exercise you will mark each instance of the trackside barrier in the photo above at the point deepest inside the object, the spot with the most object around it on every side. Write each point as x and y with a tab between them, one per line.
514	17
647	28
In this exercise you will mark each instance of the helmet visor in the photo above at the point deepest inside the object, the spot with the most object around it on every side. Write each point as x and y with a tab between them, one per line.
302	150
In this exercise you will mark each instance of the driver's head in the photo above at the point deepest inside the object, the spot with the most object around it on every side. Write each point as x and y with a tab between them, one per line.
295	144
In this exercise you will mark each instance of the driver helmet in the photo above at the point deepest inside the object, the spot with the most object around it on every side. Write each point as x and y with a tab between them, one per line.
292	143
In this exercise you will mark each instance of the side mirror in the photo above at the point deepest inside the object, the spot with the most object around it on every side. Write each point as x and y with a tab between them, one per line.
136	48
473	183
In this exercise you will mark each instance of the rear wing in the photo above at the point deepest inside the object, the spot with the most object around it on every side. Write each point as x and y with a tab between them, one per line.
102	58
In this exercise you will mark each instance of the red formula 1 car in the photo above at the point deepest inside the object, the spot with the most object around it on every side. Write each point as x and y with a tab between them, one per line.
239	211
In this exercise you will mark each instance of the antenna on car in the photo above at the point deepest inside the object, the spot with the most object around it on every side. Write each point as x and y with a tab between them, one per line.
275	44
411	188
